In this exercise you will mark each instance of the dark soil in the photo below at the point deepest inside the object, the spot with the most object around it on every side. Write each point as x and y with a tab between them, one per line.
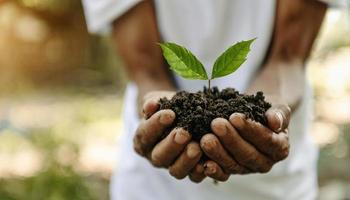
195	111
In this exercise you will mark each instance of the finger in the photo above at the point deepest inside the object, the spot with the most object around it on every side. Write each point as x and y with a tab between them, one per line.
150	107
186	161
197	174
151	101
215	151
242	151
275	145
149	131
278	117
165	152
213	170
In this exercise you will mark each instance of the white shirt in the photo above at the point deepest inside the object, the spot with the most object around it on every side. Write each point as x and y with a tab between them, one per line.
207	28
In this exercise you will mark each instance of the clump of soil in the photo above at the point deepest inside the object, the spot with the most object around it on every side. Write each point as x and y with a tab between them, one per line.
195	111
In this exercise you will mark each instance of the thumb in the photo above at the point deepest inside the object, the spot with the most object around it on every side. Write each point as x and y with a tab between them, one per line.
151	101
278	117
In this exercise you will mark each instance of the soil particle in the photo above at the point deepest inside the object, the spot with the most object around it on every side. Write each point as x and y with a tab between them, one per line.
195	111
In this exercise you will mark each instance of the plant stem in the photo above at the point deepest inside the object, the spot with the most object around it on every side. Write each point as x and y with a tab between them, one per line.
209	84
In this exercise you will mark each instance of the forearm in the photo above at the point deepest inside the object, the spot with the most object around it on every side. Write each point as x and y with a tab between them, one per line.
282	82
296	27
136	36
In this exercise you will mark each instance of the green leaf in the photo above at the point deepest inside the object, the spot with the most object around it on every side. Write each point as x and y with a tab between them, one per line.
231	59
183	62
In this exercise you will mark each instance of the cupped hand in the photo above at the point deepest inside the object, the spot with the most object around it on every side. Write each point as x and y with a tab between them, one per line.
241	146
176	151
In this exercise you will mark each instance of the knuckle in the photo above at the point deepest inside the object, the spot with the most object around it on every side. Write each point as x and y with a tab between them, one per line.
156	161
233	168
195	180
265	168
138	150
196	176
137	147
198	169
271	142
140	134
245	171
175	173
156	164
224	178
271	139
251	159
286	134
283	152
146	104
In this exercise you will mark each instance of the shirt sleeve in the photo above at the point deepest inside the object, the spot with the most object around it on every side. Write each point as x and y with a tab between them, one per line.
99	14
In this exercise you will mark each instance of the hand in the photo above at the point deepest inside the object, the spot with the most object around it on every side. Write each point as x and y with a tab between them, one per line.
176	151
242	146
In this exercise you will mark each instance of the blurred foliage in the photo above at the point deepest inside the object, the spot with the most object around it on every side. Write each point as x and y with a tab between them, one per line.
54	147
46	43
334	34
334	161
55	181
54	7
65	83
66	58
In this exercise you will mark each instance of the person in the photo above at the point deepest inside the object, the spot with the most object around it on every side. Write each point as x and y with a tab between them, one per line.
254	162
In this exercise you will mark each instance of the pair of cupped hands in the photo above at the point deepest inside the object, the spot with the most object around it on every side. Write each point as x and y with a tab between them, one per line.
235	146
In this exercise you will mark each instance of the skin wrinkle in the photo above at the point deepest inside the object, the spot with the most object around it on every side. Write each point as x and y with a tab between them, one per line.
163	158
213	148
252	159
242	160
277	142
213	170
157	155
289	49
183	165
197	174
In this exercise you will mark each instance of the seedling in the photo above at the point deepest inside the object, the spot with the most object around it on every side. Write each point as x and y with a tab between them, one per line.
195	111
185	64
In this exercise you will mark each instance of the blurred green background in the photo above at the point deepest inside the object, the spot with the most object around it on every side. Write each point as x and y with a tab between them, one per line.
61	97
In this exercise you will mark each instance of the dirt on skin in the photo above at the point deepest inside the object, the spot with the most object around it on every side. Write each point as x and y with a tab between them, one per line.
195	111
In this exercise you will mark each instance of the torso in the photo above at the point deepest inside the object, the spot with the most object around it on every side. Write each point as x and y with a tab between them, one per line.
207	28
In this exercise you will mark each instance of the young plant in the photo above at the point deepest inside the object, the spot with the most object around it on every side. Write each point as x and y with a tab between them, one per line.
185	64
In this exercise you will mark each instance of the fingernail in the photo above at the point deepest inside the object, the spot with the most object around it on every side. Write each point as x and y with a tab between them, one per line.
210	168
165	118
240	115
192	153
237	119
181	137
222	130
280	119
